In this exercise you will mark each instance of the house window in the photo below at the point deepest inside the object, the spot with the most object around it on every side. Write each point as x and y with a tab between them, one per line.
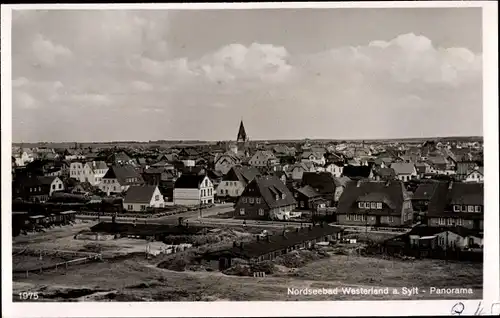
373	205
130	207
250	200
277	197
442	221
460	222
261	212
391	219
257	200
244	200
143	208
60	186
221	191
456	208
53	187
242	211
283	196
477	208
301	204
39	188
470	208
361	205
450	222
157	198
379	205
227	191
31	189
464	208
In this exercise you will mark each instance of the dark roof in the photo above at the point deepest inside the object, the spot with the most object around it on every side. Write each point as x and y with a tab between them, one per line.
356	171
139	194
189	181
308	191
46	180
280	242
425	191
391	193
122	174
269	187
451	193
242	173
322	181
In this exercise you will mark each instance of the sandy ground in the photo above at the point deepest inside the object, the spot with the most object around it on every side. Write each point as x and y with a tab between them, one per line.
136	278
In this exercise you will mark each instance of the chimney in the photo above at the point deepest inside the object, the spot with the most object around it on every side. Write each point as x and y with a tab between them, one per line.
450	186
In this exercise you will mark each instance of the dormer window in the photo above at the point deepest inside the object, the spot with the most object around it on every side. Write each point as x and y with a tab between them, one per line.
456	208
464	208
379	205
373	205
477	208
251	200
470	208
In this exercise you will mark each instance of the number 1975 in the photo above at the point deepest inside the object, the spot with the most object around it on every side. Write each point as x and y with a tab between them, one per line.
28	296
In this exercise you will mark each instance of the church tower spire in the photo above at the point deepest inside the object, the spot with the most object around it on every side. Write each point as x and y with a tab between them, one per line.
242	135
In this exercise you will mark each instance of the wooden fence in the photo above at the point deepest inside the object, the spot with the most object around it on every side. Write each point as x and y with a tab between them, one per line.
82	258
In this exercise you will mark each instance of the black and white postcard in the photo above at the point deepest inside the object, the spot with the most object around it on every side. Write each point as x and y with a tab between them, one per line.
248	159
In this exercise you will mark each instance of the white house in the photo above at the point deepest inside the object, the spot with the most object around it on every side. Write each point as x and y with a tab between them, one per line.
235	181
335	169
476	175
404	171
263	158
139	198
54	183
100	168
193	189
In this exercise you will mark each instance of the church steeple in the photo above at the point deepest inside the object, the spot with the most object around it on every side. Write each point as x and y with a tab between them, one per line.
242	135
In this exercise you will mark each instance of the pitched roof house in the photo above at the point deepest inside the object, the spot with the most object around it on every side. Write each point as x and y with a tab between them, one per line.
119	178
193	189
375	203
404	171
140	198
476	175
265	197
457	203
235	181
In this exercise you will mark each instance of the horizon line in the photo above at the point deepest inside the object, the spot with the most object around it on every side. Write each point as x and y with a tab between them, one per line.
255	140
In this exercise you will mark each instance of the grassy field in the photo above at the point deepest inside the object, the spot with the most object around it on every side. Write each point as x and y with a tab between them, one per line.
134	278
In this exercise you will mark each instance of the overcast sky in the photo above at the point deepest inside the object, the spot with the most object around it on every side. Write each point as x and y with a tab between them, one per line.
305	73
